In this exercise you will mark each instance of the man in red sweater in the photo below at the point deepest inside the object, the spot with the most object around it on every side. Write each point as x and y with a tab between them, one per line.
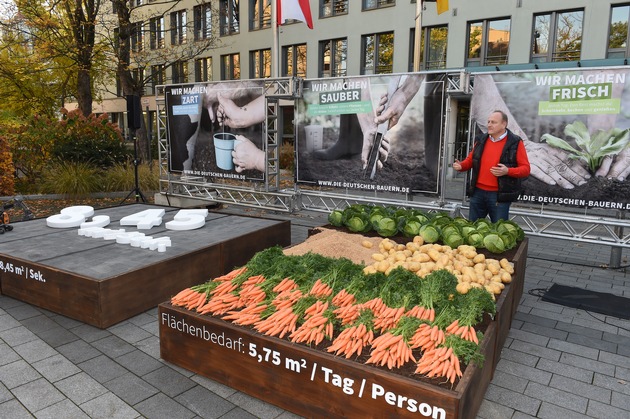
499	162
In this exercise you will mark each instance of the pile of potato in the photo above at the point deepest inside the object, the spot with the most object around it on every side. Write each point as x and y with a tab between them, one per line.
471	269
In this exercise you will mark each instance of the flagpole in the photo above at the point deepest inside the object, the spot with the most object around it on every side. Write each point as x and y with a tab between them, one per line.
275	49
417	47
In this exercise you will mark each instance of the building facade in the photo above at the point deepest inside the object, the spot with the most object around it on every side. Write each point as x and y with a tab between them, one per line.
371	36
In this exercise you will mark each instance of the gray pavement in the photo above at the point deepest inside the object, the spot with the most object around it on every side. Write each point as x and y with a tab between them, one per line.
556	362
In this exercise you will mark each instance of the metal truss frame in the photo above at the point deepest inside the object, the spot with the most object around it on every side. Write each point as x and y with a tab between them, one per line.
606	229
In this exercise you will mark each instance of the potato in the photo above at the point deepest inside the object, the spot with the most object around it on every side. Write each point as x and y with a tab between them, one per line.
369	270
479	258
382	266
378	256
505	264
506	278
387	244
495	268
463	287
418	240
367	244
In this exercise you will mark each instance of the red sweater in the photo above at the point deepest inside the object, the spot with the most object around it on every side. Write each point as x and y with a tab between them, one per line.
490	158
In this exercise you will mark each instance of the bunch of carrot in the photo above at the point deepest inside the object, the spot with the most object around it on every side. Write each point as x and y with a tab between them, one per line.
440	362
390	350
352	340
316	326
463	331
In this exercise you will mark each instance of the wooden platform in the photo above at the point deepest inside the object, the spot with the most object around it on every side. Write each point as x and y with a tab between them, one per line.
101	282
313	383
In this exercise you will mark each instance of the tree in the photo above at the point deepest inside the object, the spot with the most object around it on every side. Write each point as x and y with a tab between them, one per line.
65	31
140	62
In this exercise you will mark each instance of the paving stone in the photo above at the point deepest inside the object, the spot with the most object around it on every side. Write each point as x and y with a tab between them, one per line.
37	395
142	319
492	410
80	388
621	401
17	335
257	407
580	330
63	409
593	343
614	384
561	317
524	372
7	354
543	331
528	337
108	406
35	350
552	411
509	381
102	368
587	364
582	389
78	351
150	346
530	318
139	362
238	413
131	388
162	406
17	373
129	332
66	322
622	373
169	381
572	348
13	409
594	324
7	322
90	333
204	403
113	346
23	312
512	399
39	324
565	370
601	410
57	336
238	410
55	368
558	397
535	350
612	358
215	387
521	415
5	394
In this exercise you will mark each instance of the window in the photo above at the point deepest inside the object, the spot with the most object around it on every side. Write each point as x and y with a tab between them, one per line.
178	27
488	42
203	69
378	53
179	72
433	53
157	76
137	37
156	27
259	14
230	67
202	16
260	64
557	36
377	4
228	10
294	60
618	32
333	55
328	8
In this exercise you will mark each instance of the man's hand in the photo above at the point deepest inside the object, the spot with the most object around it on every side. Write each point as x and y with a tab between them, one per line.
617	167
499	170
554	167
368	127
233	116
247	156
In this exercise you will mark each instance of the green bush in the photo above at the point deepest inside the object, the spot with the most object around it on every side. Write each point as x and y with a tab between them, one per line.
73	179
121	177
92	138
287	156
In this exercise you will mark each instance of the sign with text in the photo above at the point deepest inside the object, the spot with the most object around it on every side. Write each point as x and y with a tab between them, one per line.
574	128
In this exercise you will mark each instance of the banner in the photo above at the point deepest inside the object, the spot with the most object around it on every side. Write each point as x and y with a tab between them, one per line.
339	119
216	130
575	127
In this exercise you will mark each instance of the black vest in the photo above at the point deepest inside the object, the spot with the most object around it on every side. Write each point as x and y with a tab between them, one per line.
509	187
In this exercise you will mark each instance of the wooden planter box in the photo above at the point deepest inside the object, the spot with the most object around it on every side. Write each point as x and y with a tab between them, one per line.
313	383
102	283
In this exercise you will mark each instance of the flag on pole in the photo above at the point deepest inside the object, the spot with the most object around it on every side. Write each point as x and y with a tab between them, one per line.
296	10
442	5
